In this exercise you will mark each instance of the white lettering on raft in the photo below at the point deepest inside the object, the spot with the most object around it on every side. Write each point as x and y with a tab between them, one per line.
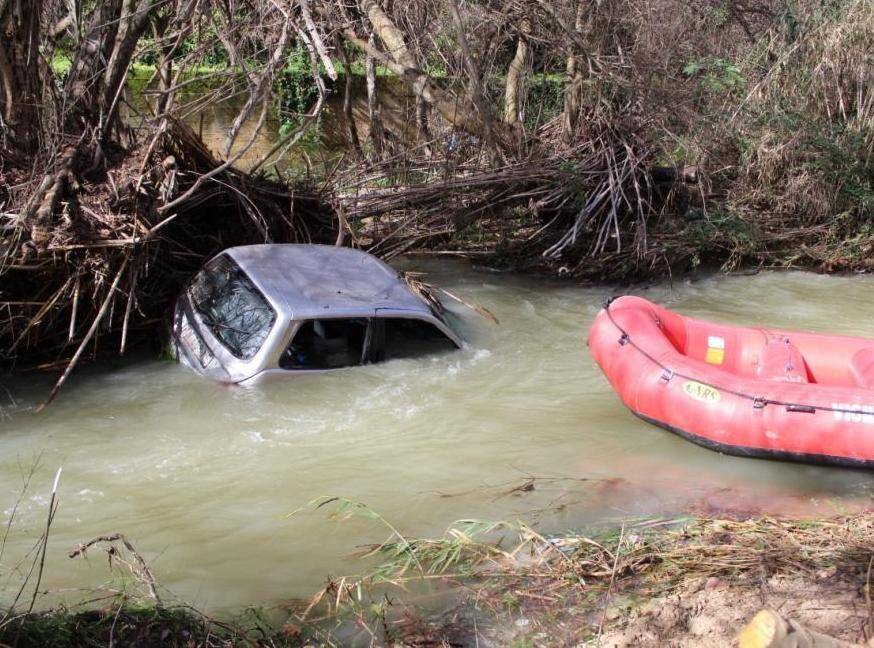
853	413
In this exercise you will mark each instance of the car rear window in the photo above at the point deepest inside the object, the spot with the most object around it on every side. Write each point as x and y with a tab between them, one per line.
233	309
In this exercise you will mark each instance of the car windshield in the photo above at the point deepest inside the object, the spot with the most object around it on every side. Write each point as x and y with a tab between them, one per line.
233	309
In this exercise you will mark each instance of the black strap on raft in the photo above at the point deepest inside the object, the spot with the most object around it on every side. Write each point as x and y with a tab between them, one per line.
757	401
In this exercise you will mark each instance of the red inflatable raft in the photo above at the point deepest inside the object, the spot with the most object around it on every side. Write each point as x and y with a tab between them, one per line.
753	392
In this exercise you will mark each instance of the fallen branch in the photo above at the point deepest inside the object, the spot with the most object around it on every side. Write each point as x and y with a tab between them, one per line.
94	324
144	574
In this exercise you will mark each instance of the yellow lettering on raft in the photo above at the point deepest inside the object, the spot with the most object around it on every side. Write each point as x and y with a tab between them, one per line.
701	392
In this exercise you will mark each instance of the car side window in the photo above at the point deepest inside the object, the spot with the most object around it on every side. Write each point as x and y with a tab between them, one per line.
327	344
412	338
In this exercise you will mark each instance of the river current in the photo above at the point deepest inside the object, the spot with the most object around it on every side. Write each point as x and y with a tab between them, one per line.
518	425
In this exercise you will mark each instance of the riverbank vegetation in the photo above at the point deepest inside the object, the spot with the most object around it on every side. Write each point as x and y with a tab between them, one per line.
613	141
653	582
607	141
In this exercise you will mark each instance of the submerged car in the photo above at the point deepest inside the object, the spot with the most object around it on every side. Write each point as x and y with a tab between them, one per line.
260	311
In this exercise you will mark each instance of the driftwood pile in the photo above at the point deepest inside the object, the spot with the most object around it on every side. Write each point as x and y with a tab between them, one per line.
107	263
552	210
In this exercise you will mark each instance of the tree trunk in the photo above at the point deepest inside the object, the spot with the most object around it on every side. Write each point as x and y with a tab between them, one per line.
401	62
476	90
573	91
85	115
347	99
105	55
165	62
377	133
513	99
390	35
422	120
20	83
132	24
82	95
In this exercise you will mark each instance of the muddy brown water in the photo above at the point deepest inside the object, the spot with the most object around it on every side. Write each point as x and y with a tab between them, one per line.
324	144
202	477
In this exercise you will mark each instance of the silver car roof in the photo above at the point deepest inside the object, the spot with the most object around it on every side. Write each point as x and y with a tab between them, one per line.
311	281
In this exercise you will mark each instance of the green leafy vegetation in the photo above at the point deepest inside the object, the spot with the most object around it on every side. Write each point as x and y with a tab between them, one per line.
716	74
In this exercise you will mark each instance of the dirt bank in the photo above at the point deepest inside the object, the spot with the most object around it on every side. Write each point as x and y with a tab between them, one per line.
694	583
679	582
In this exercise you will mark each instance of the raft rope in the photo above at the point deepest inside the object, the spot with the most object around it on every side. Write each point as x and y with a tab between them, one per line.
759	402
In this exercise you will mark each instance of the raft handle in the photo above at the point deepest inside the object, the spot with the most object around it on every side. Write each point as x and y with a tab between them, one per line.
804	409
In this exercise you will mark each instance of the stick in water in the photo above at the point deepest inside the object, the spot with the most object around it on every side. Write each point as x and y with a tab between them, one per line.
45	540
103	308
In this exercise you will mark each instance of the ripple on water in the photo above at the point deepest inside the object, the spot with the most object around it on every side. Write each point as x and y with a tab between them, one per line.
203	476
